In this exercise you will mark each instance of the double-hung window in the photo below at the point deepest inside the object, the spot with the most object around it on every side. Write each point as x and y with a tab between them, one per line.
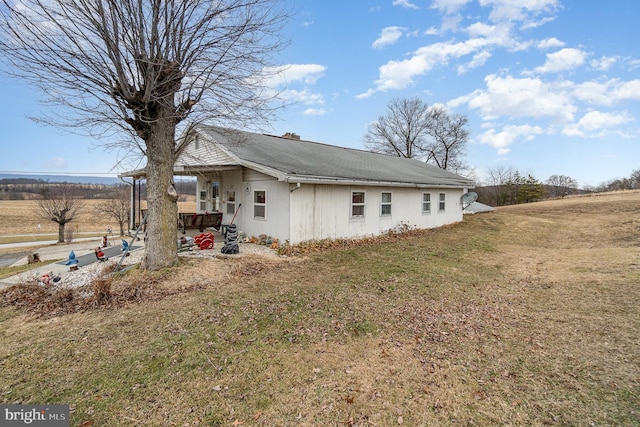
441	203
426	202
260	204
385	204
357	204
231	202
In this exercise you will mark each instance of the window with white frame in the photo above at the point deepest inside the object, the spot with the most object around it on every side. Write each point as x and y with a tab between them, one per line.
385	204
357	204
260	204
441	203
426	202
231	202
203	200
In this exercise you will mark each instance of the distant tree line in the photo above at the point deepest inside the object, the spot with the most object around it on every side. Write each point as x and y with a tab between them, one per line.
508	186
34	189
630	183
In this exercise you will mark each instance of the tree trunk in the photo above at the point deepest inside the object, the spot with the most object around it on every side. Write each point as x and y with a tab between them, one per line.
61	232
161	248
121	223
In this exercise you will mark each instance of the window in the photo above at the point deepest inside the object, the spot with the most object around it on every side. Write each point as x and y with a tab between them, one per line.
203	200
357	204
385	204
231	202
441	202
259	204
426	202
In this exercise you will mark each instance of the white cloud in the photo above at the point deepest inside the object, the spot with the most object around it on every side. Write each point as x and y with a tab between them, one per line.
604	63
301	96
520	97
287	74
564	59
596	124
314	112
549	43
449	6
405	3
400	74
509	134
388	36
56	163
449	23
479	59
518	10
607	93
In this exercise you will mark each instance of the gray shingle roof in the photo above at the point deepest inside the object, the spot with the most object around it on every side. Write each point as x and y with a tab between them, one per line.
300	160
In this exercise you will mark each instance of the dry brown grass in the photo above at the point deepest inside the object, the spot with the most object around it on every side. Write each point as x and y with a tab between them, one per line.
21	217
526	316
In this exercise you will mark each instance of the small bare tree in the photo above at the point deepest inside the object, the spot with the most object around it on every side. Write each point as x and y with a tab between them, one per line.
499	179
561	185
60	204
139	69
118	207
412	129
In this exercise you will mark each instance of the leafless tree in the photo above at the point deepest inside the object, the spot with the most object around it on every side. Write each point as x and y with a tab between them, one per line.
446	149
412	129
118	207
403	131
561	185
499	178
60	204
635	178
143	67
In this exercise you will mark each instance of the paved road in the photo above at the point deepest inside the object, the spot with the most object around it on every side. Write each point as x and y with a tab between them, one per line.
8	259
110	252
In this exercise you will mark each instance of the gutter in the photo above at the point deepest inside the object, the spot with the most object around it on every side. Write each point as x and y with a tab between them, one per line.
354	182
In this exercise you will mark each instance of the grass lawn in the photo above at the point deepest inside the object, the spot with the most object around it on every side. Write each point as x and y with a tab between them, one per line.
526	316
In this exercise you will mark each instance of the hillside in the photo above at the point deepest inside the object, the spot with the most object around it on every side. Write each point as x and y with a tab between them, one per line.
526	316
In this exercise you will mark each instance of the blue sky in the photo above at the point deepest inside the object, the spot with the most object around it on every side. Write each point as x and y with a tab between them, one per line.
549	86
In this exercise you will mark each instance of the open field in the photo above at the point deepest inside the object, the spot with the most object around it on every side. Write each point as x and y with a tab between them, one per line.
21	217
527	317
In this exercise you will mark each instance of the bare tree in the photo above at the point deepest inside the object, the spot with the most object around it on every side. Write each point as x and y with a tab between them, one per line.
561	185
60	204
449	138
635	178
118	207
412	129
143	67
500	177
403	131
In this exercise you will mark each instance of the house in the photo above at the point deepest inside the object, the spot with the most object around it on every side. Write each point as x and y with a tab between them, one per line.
297	190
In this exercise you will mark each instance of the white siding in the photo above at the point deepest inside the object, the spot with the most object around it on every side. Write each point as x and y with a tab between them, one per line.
245	183
324	211
203	154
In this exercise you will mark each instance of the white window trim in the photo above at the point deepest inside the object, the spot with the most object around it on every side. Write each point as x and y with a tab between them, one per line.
228	203
383	203
266	195
422	202
351	205
442	202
